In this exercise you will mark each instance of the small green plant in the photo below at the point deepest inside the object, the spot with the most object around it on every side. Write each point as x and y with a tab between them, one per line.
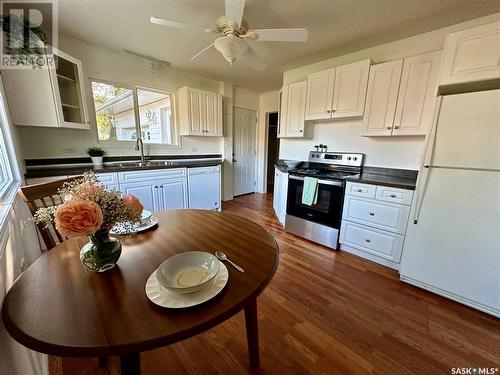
95	151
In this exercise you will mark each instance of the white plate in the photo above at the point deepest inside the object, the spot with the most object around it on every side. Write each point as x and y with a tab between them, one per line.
165	298
118	229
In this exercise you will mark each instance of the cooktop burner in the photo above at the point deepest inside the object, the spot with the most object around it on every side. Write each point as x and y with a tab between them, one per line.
329	165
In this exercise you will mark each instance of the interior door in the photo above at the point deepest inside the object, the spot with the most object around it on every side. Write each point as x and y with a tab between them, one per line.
244	151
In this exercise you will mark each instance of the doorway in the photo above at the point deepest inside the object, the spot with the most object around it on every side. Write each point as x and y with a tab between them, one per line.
273	147
244	150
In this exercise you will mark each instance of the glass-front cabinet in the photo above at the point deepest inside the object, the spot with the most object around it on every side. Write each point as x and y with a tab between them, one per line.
48	97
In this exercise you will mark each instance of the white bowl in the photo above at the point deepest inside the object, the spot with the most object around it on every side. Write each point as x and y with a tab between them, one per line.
188	272
292	163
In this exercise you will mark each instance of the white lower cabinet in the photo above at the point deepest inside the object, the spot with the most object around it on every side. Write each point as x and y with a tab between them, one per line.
146	191
204	188
374	222
158	190
280	194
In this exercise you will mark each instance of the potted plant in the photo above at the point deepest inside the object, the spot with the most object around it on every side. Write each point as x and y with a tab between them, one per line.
90	209
96	154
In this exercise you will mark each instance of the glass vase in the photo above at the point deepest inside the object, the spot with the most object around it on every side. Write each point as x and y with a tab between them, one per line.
101	252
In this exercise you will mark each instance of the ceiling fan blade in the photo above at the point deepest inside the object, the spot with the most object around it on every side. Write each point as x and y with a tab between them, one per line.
234	10
203	51
179	25
254	60
281	35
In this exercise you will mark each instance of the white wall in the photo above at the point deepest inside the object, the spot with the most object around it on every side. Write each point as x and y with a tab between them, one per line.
395	152
244	98
104	63
17	242
268	102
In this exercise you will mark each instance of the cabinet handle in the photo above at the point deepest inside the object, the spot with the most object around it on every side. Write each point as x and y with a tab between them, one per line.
396	127
368	240
327	111
301	131
393	195
161	186
372	213
333	111
360	190
389	127
156	186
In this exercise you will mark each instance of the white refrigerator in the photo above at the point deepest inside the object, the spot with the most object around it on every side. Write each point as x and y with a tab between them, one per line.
452	244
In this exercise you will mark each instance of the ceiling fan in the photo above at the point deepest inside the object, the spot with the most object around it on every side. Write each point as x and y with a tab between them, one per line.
233	30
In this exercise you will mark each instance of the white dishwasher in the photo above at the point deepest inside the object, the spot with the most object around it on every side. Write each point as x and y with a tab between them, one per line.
204	188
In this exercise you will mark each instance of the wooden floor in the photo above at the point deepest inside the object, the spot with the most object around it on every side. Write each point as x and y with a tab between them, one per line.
328	312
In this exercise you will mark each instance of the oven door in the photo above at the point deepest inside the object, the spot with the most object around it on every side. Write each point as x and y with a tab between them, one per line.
327	210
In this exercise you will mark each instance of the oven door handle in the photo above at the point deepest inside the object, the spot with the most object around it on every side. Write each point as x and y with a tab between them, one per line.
321	182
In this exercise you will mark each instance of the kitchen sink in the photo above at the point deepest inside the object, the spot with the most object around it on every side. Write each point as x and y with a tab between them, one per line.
153	163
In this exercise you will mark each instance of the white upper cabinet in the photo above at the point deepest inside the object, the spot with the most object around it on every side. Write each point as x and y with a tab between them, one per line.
320	95
338	92
472	55
349	91
417	94
293	105
381	98
200	112
52	97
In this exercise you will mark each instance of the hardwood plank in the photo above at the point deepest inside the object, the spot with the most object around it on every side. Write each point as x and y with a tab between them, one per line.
329	312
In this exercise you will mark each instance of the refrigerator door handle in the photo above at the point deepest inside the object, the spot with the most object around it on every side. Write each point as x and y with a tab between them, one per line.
423	173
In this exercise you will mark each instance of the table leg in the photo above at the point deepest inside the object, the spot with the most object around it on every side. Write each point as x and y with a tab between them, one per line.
252	325
130	364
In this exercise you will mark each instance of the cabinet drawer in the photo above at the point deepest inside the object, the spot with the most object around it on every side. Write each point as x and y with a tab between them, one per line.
108	178
360	190
132	176
386	216
394	195
373	241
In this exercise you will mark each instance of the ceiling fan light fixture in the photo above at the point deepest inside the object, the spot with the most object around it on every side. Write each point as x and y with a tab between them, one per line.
230	47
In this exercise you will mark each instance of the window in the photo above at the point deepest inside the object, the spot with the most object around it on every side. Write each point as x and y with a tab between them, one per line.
8	164
117	108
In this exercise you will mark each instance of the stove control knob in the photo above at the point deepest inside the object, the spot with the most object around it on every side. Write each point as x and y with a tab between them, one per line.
355	158
349	158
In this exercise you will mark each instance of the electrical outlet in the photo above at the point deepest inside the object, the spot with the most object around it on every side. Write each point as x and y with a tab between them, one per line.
194	149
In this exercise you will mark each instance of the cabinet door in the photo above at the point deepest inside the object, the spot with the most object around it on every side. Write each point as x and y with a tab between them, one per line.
349	92
319	95
196	108
417	94
277	191
381	98
296	107
213	120
282	112
67	81
146	191
30	97
472	55
173	194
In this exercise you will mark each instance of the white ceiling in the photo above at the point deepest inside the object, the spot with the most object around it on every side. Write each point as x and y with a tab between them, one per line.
339	26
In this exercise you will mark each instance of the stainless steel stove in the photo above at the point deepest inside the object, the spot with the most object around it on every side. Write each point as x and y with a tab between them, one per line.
320	222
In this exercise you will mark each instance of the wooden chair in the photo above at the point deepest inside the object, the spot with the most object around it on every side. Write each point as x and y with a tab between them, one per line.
45	195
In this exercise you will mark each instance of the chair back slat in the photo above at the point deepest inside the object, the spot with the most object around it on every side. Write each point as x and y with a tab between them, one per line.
45	195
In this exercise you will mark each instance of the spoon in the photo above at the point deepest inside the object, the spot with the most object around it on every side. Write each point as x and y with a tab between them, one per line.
222	257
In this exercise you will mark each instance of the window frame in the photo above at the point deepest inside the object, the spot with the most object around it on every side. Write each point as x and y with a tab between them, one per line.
8	156
176	142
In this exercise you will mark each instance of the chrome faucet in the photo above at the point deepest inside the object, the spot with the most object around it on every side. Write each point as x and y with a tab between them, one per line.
140	146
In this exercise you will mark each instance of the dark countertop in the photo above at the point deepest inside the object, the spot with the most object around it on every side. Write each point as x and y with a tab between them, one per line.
385	180
76	170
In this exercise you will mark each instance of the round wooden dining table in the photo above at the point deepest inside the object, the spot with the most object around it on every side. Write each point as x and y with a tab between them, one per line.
60	308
